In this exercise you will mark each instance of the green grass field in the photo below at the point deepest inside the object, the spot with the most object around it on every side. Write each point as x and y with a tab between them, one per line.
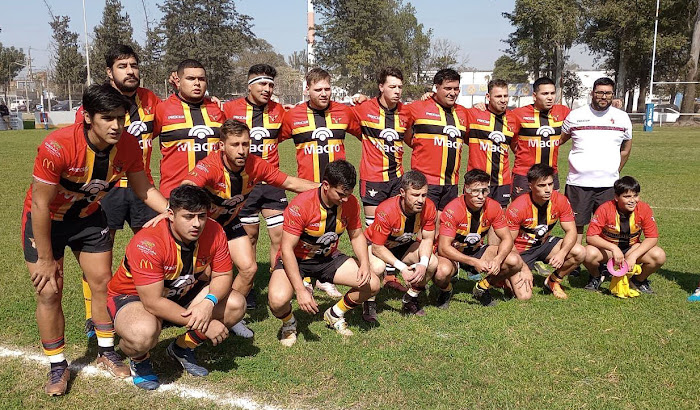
590	351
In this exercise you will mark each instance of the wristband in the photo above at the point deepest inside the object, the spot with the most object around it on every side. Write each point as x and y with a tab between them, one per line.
424	261
212	299
400	265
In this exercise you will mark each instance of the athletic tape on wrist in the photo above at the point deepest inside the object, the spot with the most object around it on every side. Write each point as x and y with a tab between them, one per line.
212	299
424	261
400	265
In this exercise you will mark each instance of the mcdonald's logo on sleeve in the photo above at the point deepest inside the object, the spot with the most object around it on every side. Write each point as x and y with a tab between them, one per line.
143	264
48	164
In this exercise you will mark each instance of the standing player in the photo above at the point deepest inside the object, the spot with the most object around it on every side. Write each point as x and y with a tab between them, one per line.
187	124
318	130
439	129
176	273
313	223
229	177
75	167
615	232
464	223
403	234
538	134
383	123
532	217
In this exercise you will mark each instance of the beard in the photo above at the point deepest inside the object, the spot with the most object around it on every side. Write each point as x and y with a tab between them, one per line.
126	87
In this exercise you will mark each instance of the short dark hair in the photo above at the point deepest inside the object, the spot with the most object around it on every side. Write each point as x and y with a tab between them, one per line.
340	173
626	183
539	171
262	69
476	175
542	81
119	52
388	71
446	74
103	98
189	63
190	198
413	179
604	81
232	127
497	82
315	75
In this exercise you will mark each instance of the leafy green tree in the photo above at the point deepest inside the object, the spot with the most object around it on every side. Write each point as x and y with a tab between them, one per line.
114	28
571	87
11	63
68	64
509	69
691	68
260	52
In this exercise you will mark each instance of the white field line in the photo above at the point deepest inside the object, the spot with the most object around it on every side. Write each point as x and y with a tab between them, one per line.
675	208
178	389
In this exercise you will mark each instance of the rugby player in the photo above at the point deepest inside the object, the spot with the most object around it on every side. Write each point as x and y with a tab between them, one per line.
402	235
74	169
229	177
615	232
187	124
464	223
176	273
318	130
537	138
313	222
383	123
531	219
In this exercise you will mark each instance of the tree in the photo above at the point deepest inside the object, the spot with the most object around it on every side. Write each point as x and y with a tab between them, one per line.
68	64
571	87
299	61
691	74
211	31
446	54
11	63
509	69
114	28
260	52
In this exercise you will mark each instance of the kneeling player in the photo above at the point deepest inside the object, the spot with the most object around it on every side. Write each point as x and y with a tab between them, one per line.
163	281
532	217
313	222
615	232
403	233
463	223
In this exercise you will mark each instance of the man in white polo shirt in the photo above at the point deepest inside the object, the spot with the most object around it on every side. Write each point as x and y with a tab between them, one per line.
601	141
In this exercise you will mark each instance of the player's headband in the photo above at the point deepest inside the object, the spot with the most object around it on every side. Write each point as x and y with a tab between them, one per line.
261	78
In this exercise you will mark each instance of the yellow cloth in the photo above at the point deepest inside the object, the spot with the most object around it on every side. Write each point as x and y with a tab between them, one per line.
620	285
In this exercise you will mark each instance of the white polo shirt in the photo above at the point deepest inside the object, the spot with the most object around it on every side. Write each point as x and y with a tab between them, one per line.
596	138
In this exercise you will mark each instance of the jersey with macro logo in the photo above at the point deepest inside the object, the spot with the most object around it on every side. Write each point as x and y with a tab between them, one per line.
264	122
139	123
438	136
187	132
490	137
468	227
83	173
382	140
229	189
534	222
319	136
622	229
538	135
392	227
319	226
154	255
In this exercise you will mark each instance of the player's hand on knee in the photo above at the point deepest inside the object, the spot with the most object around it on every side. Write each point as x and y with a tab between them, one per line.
363	275
481	266
306	302
557	260
408	274
420	273
494	267
200	315
45	273
217	332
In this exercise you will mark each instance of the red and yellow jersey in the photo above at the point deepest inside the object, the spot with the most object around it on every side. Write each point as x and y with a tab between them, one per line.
319	227
534	222
139	123
228	189
187	132
382	140
620	228
392	227
154	255
83	173
468	227
319	136
264	122
490	136
538	135
438	136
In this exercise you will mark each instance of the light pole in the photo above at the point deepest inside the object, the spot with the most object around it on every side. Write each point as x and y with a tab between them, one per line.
649	109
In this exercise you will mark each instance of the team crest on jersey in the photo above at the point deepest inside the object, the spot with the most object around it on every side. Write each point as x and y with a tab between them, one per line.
273	117
336	120
53	147
295	210
327	238
545	131
259	133
118	167
147	110
136	128
203	261
322	134
389	135
201	131
497	136
214	117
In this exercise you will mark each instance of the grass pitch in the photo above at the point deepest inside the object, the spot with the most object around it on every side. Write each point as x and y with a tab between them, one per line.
590	351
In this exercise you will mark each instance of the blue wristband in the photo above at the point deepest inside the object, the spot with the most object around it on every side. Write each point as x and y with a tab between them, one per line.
212	298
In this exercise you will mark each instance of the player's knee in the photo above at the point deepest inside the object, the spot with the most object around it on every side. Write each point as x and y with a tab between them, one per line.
142	337
47	297
235	308
523	295
374	285
578	253
444	272
377	266
277	299
513	263
248	270
658	255
593	255
98	283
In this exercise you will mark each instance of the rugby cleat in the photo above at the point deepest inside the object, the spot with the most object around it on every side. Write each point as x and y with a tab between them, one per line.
594	283
391	282
642	286
483	296
251	299
288	334
240	329
555	288
114	364
90	328
58	381
410	307
369	311
143	375
329	288
187	360
337	323
541	268
443	299
695	296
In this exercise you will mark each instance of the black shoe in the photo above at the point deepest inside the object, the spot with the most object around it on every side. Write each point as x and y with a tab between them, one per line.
594	283
483	296
642	286
410	307
250	299
369	311
576	272
186	359
443	299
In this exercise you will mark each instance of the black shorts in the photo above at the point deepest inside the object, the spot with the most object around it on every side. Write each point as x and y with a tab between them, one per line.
400	251
374	193
263	196
115	303
322	269
477	254
520	185
441	195
122	205
501	194
234	229
585	200
89	234
539	252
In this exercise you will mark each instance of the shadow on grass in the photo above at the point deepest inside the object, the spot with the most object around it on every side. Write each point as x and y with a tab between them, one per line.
686	280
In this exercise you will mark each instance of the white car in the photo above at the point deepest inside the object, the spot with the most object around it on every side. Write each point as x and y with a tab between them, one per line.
666	113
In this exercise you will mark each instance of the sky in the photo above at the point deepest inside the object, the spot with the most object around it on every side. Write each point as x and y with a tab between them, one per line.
476	26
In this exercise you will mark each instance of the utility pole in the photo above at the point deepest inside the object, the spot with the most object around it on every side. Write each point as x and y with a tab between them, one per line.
311	30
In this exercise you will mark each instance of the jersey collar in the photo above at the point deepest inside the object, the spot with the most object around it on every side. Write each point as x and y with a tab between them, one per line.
98	152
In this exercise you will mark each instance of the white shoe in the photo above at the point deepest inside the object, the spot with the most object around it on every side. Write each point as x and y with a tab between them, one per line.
337	323
309	287
329	288
240	329
288	334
